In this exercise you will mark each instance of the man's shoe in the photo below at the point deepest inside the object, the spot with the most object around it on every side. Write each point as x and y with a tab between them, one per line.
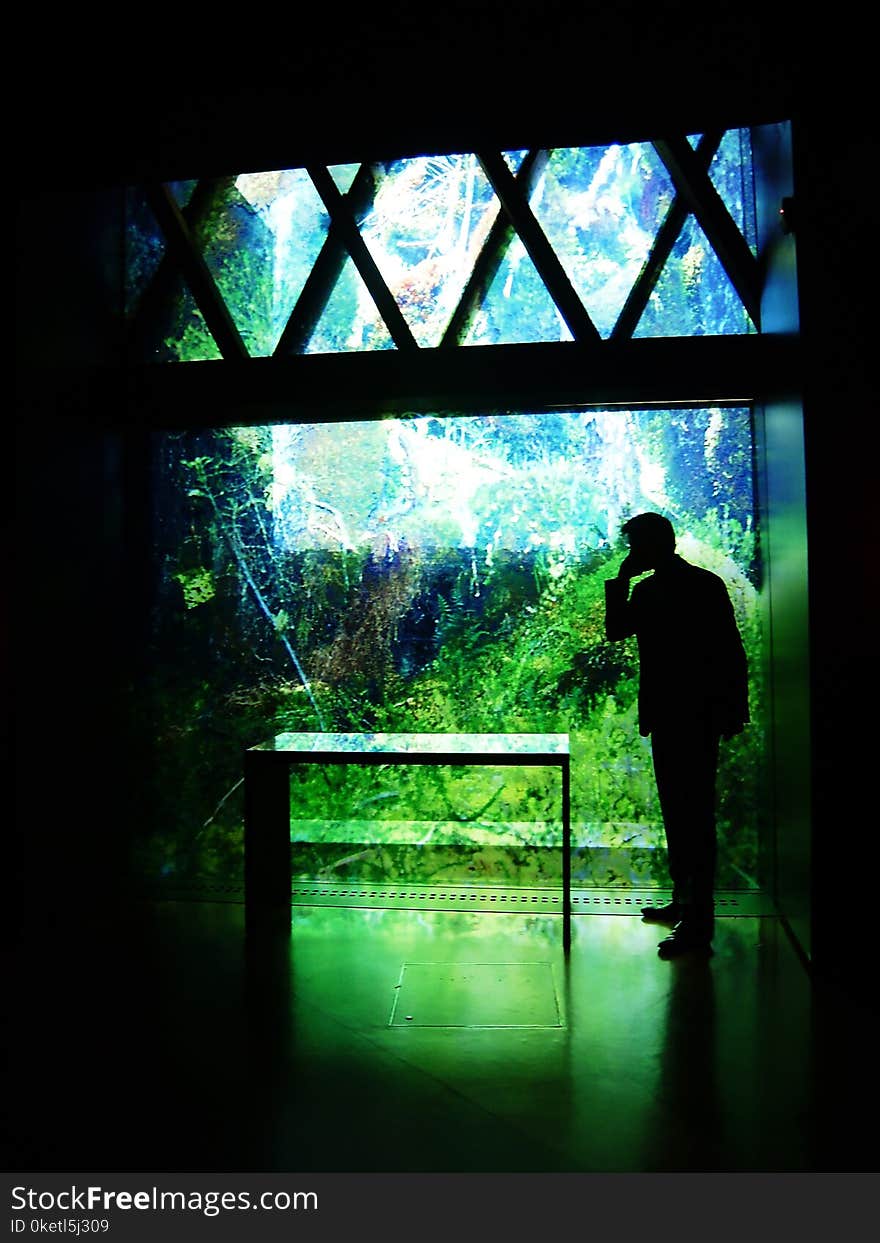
686	939
670	914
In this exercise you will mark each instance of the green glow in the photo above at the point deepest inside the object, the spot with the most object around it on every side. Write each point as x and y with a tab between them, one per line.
198	586
452	584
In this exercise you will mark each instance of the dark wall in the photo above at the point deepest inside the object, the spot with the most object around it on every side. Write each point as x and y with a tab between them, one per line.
69	641
833	247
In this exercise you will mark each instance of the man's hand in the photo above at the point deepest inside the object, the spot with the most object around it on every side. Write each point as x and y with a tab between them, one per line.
630	567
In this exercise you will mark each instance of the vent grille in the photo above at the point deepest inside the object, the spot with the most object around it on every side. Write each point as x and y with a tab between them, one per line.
483	898
512	898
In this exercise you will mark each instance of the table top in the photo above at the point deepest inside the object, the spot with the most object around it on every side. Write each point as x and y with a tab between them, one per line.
453	745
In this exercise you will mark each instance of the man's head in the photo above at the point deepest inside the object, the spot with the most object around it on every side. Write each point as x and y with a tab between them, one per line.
651	539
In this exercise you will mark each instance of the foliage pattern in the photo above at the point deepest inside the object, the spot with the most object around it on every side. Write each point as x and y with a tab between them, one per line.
451	580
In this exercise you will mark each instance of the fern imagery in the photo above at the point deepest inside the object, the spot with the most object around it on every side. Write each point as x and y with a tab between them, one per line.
450	579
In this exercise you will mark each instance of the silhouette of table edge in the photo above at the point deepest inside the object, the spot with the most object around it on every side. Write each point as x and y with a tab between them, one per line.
267	768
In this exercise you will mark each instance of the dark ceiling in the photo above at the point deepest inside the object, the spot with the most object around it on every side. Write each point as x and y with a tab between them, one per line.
164	103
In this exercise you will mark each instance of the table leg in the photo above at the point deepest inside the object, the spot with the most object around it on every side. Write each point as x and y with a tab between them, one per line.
266	842
566	855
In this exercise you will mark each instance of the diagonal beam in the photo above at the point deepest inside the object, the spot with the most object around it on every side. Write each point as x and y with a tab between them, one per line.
667	234
541	253
321	281
491	254
156	298
188	257
343	220
693	183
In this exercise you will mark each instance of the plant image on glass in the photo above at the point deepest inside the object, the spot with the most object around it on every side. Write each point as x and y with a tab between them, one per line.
433	575
457	269
436	573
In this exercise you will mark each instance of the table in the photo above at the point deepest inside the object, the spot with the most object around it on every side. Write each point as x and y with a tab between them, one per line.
267	796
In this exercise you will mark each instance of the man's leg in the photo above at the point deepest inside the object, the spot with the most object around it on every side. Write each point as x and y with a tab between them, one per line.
703	846
670	773
701	832
685	766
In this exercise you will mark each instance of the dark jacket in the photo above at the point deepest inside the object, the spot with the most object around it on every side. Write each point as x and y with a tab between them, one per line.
692	664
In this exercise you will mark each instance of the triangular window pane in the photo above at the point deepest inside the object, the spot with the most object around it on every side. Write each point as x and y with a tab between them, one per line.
187	338
238	249
429	219
600	209
517	307
343	175
732	175
296	226
350	321
694	296
514	159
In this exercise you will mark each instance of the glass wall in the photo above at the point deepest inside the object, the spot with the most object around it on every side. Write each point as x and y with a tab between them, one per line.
433	574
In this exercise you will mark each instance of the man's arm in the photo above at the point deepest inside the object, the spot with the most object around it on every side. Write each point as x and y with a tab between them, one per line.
619	619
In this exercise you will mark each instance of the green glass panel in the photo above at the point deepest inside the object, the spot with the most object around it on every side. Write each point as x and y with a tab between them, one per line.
238	249
296	223
694	296
600	209
517	306
350	321
187	338
430	216
433	576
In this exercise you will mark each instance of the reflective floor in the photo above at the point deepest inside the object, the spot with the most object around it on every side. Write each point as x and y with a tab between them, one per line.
156	1037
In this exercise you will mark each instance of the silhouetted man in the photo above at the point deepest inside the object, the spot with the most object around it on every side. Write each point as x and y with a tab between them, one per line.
693	691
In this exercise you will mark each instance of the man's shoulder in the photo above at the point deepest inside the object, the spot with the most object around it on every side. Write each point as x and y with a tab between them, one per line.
699	573
681	576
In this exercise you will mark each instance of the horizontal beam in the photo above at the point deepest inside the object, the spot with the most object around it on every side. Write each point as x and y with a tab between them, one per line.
340	387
